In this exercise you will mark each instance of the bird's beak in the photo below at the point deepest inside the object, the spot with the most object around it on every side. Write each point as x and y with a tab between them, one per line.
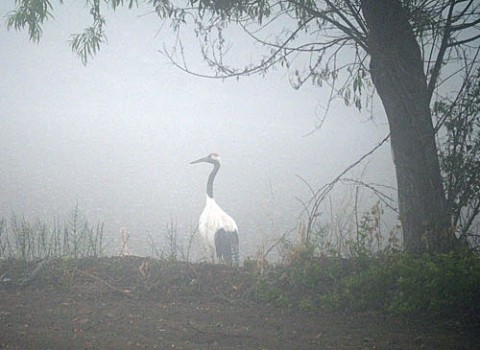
205	159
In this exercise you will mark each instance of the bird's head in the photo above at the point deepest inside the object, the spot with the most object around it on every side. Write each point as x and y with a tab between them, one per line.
212	158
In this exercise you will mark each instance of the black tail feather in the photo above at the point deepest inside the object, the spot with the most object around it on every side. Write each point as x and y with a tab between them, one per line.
227	247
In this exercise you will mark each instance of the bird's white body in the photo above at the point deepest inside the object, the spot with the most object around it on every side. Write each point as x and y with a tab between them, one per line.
212	219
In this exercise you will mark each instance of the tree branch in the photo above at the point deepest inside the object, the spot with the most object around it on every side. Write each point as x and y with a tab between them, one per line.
321	193
441	53
350	30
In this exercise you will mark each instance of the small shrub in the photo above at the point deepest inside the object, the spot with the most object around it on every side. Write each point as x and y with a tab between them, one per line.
440	285
368	288
307	304
446	285
266	290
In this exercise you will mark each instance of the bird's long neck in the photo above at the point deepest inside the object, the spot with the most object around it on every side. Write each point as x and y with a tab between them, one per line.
214	172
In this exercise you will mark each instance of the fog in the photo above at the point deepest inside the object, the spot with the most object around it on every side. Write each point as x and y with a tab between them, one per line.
117	136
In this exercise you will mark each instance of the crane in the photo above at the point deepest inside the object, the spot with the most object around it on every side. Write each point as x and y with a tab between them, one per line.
218	230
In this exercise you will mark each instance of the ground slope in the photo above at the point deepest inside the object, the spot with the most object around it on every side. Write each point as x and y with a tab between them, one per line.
138	303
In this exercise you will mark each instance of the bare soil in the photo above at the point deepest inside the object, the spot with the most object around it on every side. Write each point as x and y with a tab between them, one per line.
139	303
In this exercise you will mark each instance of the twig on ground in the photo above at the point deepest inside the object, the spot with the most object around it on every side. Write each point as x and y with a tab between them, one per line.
40	267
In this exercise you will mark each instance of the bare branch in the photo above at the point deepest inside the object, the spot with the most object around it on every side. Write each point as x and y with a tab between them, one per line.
441	52
322	193
230	73
348	29
464	41
384	198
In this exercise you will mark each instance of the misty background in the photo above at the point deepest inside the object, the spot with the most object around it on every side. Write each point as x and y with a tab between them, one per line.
117	136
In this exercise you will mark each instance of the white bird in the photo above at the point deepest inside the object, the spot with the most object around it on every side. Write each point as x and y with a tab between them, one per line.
218	230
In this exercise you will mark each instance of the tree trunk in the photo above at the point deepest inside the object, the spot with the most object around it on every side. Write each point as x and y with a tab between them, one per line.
396	68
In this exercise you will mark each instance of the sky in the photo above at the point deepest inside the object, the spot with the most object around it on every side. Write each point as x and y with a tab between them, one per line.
117	136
